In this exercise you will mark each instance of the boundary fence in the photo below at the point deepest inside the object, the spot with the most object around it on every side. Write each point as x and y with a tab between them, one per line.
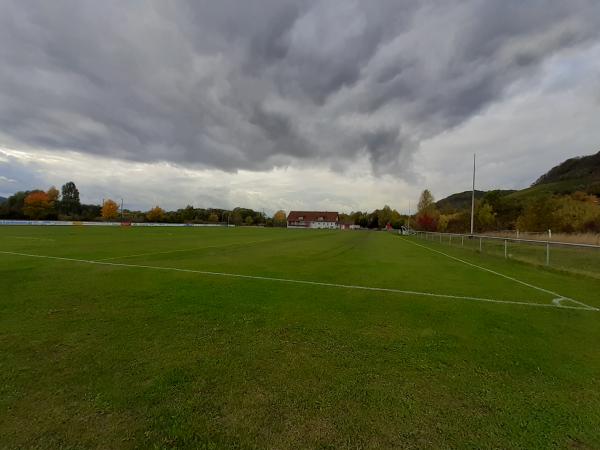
579	258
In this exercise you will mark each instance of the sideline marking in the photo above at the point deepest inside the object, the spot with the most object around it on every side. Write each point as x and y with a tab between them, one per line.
524	283
305	282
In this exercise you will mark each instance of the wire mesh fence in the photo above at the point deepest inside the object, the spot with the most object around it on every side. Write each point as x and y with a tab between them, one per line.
577	258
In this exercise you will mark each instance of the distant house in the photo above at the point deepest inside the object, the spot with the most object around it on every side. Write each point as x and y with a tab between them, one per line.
313	219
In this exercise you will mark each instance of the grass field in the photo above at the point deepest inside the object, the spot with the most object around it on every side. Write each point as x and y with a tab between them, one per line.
266	338
577	260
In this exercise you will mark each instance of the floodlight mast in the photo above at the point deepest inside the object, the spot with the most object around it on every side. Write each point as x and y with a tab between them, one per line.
473	199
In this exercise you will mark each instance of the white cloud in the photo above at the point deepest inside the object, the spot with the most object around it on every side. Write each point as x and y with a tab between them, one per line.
142	185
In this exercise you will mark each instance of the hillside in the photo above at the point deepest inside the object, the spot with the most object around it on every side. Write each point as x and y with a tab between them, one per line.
575	174
2	200
462	200
582	168
459	201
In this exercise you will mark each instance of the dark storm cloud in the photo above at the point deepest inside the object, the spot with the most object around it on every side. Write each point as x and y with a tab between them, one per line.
249	85
279	131
383	146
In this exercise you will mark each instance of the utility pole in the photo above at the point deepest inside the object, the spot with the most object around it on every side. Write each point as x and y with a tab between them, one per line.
473	199
409	216
121	210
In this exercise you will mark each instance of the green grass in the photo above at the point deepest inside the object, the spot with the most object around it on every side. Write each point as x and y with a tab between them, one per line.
109	356
567	258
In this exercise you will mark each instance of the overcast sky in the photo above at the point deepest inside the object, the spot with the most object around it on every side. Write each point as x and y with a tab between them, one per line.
268	104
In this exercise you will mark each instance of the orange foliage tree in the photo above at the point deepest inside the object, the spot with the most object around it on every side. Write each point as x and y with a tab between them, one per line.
110	210
279	218
53	194
37	205
156	214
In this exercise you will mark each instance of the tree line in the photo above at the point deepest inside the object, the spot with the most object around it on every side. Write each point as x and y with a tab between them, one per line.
65	204
577	212
51	204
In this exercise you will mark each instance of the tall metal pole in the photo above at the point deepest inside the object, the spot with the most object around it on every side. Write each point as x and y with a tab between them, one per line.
121	210
473	199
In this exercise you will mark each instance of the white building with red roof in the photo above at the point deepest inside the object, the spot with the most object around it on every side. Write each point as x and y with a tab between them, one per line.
313	219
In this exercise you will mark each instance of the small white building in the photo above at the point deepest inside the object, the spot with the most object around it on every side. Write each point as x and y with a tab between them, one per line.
348	225
313	219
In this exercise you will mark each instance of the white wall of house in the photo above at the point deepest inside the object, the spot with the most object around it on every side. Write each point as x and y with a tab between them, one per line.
327	225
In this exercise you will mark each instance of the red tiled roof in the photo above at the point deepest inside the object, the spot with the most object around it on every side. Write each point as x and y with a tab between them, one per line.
312	216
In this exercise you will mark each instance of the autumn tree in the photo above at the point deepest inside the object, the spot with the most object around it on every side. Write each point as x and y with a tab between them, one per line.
280	219
455	223
426	201
249	220
156	214
110	210
486	217
37	205
575	213
427	215
53	195
442	223
538	215
426	222
213	218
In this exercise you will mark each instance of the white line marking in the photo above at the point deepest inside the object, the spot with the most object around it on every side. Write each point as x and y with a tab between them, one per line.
305	282
554	294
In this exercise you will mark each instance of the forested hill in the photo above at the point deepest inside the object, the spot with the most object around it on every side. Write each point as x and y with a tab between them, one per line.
582	168
2	199
576	174
457	202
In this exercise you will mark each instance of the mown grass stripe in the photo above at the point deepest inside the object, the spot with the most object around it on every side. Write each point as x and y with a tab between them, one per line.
307	282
